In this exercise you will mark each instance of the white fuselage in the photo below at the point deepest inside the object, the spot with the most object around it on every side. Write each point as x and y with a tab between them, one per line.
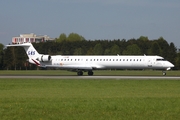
107	62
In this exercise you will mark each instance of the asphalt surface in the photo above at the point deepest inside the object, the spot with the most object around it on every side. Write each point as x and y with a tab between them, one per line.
97	77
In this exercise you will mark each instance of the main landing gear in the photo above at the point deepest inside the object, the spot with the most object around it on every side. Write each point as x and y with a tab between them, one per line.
80	73
90	73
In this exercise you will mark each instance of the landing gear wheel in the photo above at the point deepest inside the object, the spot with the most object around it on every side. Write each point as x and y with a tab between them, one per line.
90	73
164	73
79	73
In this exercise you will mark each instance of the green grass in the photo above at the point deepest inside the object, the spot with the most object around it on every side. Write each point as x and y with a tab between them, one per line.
44	99
96	72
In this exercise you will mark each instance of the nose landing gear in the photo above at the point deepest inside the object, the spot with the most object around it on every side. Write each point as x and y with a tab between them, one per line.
163	73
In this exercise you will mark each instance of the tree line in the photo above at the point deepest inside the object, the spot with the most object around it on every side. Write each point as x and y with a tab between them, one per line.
15	58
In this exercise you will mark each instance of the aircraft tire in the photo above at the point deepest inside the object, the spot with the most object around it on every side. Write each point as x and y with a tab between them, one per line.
79	73
164	73
90	73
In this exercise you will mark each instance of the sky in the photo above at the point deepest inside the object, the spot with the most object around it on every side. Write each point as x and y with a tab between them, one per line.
92	19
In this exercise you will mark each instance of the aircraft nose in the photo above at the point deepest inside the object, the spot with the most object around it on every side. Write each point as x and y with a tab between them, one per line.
170	65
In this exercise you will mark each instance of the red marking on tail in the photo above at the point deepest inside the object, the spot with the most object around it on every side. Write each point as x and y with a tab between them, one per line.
36	62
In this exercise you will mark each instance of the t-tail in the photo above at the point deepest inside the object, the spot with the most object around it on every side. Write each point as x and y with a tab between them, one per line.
33	55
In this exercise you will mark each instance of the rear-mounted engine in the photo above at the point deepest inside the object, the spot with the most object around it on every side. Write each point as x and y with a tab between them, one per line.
44	58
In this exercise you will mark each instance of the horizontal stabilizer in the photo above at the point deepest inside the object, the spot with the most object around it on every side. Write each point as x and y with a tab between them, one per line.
22	45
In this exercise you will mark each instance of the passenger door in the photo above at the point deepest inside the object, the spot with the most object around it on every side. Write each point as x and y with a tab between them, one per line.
149	62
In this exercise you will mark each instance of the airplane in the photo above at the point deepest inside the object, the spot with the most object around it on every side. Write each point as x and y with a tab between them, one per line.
87	63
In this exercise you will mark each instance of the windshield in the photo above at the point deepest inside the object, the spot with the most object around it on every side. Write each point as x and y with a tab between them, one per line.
160	60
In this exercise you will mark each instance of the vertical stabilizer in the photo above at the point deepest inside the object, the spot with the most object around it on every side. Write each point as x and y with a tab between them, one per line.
30	51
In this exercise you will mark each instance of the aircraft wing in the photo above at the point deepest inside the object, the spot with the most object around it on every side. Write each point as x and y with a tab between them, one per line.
80	67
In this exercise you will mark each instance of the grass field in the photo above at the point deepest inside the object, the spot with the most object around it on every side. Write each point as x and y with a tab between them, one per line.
96	72
44	99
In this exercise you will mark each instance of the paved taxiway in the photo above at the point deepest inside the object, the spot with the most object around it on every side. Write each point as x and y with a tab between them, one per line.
97	77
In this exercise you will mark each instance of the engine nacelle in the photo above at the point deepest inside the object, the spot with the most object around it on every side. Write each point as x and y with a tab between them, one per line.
44	58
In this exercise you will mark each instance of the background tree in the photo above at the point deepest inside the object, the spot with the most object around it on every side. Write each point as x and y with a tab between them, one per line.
61	38
1	55
144	44
107	51
115	50
9	58
78	51
172	53
163	46
98	50
6	59
75	37
143	38
177	61
21	58
132	50
155	49
90	51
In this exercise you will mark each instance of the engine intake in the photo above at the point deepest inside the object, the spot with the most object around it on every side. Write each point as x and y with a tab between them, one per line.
44	58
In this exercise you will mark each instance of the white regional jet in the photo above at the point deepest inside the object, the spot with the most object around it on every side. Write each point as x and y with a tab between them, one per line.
82	64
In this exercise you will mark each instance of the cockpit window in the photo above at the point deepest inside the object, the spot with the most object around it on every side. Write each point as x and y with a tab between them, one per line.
160	60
